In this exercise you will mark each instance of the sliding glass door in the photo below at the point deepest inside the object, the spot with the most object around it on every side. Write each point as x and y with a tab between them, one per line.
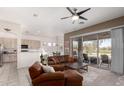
96	48
105	47
90	48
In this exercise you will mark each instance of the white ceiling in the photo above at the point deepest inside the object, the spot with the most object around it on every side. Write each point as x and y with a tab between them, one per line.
48	22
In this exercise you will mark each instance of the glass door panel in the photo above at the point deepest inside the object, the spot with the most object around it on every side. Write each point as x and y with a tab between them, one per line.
105	44
90	48
75	48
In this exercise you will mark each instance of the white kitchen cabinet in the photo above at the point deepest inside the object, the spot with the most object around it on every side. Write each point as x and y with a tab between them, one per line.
9	58
32	44
8	43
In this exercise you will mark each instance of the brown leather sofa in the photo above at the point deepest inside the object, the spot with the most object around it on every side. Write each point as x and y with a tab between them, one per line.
63	59
58	78
59	62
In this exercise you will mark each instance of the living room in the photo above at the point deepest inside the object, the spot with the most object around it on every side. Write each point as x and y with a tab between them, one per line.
27	40
83	51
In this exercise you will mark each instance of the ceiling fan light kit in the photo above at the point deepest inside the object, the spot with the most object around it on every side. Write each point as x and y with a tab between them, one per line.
75	17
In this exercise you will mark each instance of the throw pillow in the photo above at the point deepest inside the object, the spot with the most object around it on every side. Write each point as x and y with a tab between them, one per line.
40	63
48	69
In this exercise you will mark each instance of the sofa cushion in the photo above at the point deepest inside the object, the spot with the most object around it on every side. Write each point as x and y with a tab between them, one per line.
50	79
61	59
54	60
73	78
35	70
70	59
57	60
66	58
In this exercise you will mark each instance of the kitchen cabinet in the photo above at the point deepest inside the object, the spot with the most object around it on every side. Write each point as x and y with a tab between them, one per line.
8	43
9	47
32	44
10	57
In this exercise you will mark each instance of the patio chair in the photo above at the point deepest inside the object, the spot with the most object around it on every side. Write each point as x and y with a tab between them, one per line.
105	59
85	58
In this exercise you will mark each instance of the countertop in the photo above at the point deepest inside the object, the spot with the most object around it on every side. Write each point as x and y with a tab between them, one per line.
30	50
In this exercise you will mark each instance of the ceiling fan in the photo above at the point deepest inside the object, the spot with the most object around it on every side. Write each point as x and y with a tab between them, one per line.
76	15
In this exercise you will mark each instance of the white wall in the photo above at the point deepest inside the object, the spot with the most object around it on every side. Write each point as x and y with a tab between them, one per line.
7	34
30	37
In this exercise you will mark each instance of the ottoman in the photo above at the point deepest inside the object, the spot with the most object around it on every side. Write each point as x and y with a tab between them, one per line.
73	78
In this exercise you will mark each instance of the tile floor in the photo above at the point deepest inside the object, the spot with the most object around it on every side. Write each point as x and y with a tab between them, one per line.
10	76
101	77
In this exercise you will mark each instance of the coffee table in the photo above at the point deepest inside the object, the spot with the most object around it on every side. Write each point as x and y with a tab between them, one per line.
77	66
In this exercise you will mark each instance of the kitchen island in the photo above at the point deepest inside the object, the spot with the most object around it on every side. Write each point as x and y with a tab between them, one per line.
26	59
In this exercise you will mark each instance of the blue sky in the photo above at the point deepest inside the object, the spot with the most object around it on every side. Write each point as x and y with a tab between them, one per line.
105	43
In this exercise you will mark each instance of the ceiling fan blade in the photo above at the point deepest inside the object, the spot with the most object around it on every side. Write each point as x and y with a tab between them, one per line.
83	18
66	17
79	13
70	10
